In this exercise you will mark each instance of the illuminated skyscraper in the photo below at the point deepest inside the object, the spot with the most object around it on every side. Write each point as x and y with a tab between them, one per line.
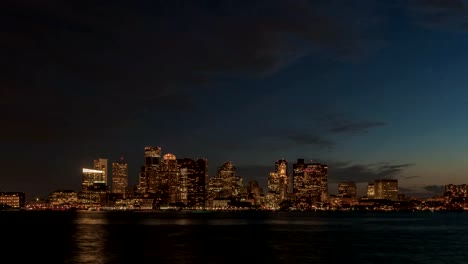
120	177
152	155
91	177
170	176
386	189
310	180
193	176
149	174
371	190
94	189
225	185
278	182
347	189
278	185
101	164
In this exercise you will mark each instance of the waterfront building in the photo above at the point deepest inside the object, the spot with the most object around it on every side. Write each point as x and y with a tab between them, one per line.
94	190
120	177
370	190
63	197
347	189
13	199
193	175
310	180
226	184
169	171
456	191
278	184
386	189
91	177
150	180
101	164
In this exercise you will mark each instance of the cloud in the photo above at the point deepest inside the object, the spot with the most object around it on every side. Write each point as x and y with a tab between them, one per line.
356	127
360	173
435	189
422	192
437	5
64	64
310	139
409	177
439	14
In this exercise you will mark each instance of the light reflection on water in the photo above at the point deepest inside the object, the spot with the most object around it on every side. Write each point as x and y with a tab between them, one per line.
100	237
90	239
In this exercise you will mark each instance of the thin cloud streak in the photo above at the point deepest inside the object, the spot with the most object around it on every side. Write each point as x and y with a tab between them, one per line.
357	127
360	173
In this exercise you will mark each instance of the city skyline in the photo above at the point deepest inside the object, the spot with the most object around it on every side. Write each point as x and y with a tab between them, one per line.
375	89
281	178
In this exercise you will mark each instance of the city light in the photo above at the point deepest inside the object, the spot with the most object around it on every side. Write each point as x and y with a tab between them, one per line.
92	171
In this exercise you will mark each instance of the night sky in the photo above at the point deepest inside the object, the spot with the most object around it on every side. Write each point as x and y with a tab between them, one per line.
375	89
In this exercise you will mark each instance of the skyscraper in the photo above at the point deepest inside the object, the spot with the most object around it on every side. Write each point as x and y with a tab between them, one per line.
170	175
278	181
101	164
94	189
347	189
386	189
91	177
193	176
152	155
310	180
149	174
229	184
278	185
371	190
120	177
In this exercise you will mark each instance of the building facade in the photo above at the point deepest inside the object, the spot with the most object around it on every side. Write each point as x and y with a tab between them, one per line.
101	164
12	199
371	190
386	189
63	197
149	180
193	175
347	189
310	180
120	177
225	185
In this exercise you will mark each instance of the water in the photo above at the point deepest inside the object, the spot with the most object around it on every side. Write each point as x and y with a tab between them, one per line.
246	237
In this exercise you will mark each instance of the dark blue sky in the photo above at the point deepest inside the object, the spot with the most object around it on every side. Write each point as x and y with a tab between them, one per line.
375	89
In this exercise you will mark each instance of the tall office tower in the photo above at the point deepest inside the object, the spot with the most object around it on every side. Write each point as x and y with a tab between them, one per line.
232	184
386	189
149	173
90	178
120	177
347	189
170	176
310	180
101	164
193	176
225	185
94	189
152	155
371	190
278	182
